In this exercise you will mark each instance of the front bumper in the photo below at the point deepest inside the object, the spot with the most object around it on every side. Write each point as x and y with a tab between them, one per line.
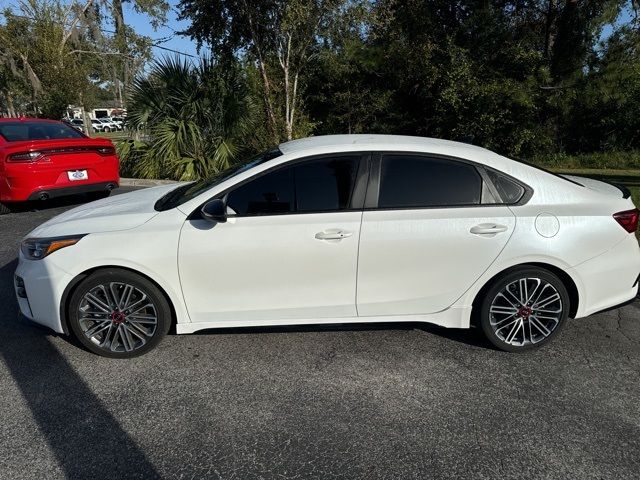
40	293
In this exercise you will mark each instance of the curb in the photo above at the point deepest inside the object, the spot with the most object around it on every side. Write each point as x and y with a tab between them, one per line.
143	182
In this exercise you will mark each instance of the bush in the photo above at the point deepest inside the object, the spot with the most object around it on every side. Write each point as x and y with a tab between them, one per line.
187	121
600	160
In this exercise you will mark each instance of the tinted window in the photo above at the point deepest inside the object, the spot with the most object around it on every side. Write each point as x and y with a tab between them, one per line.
325	185
322	185
417	181
189	191
270	193
21	131
509	190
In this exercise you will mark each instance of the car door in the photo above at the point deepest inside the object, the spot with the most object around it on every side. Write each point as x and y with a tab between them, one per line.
287	251
430	228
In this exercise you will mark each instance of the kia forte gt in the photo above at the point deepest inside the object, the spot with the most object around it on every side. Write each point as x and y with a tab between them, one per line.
337	229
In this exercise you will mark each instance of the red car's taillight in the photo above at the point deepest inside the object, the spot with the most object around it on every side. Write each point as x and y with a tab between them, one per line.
24	157
106	151
628	219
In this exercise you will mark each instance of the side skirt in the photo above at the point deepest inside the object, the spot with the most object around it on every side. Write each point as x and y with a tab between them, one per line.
454	317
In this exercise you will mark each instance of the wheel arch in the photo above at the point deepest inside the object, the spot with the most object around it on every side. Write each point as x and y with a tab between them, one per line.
73	284
565	278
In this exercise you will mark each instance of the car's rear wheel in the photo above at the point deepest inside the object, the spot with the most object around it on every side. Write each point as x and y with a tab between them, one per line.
524	309
119	314
4	209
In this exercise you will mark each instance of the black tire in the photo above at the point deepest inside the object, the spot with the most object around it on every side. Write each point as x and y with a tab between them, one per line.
4	209
98	195
120	329
532	319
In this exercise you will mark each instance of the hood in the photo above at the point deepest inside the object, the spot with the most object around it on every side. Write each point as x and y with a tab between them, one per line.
118	212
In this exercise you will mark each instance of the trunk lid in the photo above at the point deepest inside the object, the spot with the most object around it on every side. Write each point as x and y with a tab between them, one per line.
600	186
65	153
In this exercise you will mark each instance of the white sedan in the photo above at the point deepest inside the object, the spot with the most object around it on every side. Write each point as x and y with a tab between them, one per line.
337	229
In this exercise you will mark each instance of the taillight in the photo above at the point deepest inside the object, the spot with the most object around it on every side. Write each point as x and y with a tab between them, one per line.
106	151
628	219
24	157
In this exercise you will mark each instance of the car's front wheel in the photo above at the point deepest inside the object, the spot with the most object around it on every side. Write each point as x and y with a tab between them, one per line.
524	309
117	313
4	209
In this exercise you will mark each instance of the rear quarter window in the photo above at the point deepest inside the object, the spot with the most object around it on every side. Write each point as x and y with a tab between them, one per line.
509	190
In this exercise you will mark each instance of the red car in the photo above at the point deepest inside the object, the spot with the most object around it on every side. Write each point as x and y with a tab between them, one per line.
42	159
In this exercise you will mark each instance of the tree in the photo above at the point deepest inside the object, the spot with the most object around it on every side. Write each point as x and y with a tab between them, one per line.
277	35
59	50
124	38
41	50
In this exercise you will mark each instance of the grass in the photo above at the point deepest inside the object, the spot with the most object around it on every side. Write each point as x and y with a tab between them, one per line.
111	135
597	160
635	195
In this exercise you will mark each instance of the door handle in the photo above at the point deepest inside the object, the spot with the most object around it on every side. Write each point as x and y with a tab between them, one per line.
333	235
488	229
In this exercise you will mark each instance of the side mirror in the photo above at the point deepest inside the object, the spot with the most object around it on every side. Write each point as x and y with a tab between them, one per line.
215	211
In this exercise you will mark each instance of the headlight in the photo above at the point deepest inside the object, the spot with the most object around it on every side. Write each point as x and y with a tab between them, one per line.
38	248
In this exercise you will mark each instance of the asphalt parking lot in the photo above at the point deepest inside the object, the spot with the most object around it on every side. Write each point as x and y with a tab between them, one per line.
384	401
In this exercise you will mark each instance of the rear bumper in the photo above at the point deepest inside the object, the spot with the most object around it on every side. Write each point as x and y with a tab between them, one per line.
74	190
22	182
610	279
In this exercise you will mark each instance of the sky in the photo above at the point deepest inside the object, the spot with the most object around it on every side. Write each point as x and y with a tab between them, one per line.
140	24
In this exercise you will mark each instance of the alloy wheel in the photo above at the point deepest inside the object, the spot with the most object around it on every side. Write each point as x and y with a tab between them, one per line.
526	311
117	317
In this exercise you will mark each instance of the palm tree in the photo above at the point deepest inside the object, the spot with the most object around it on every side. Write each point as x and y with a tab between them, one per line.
195	119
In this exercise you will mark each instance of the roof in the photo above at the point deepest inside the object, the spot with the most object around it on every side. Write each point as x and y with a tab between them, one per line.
383	142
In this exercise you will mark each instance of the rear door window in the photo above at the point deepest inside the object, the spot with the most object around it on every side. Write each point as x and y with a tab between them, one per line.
415	181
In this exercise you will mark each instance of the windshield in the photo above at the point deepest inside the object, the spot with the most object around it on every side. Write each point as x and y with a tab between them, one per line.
21	131
189	191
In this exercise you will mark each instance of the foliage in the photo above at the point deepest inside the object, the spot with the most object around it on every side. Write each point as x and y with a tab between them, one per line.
277	36
521	77
615	160
555	80
195	119
54	53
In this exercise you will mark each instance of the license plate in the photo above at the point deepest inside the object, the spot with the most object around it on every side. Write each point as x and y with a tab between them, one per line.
76	175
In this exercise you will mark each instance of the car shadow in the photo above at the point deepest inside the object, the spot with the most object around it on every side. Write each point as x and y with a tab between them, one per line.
83	435
59	202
